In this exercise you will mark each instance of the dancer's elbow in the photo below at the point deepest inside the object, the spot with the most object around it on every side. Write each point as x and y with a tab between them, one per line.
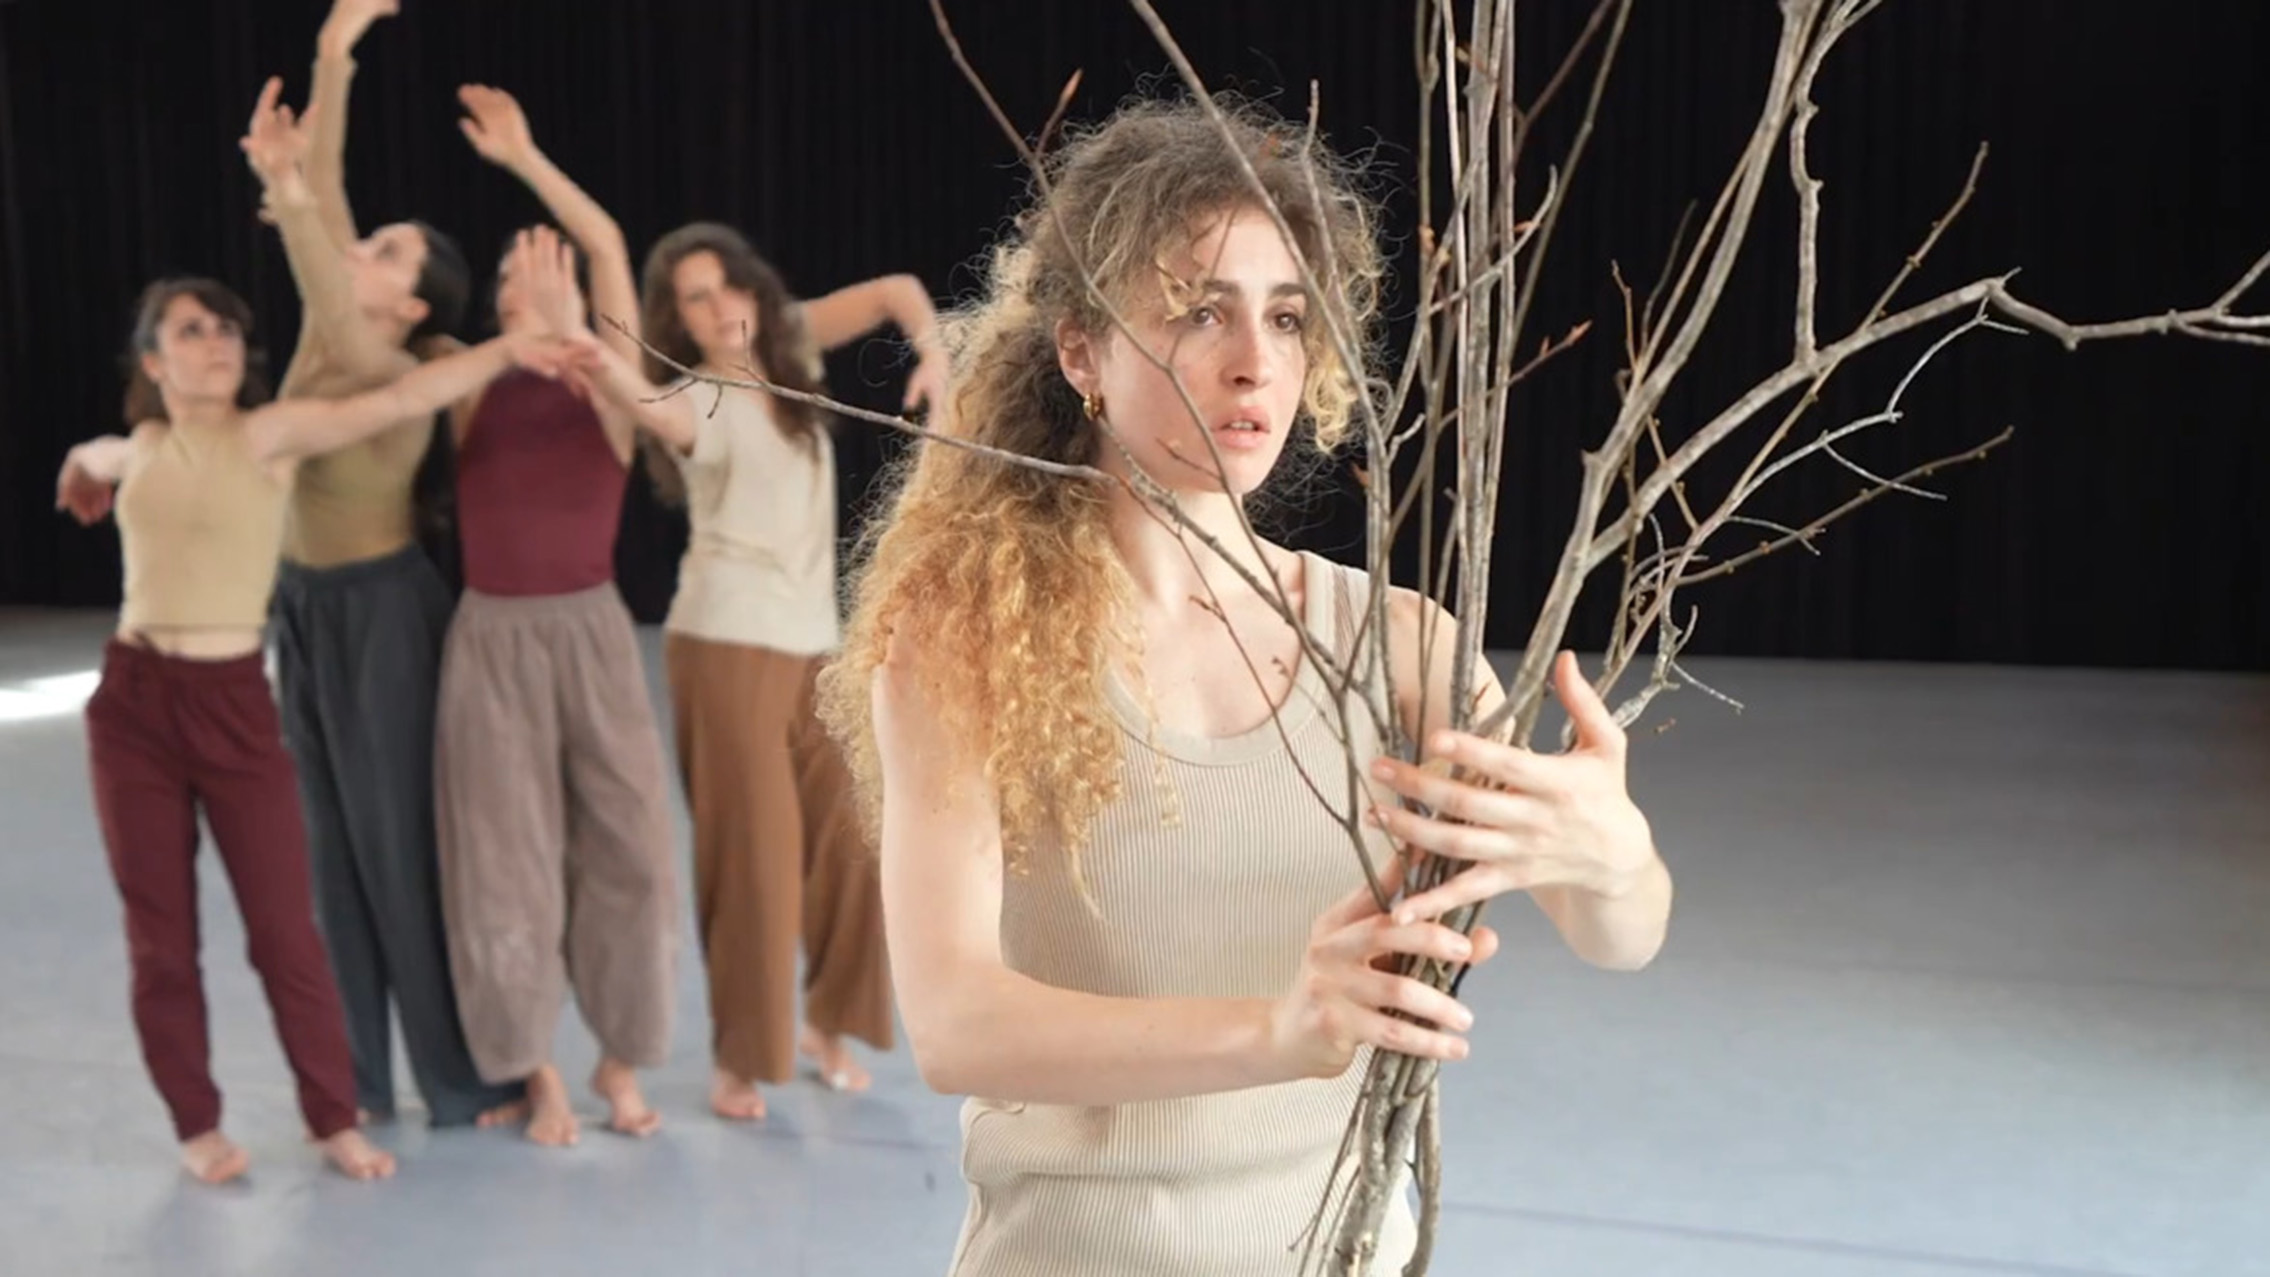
1629	956
968	1028
941	1067
948	1054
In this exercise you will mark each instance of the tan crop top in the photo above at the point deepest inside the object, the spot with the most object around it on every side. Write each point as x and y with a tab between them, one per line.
202	524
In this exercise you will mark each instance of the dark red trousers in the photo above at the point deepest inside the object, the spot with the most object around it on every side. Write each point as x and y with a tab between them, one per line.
167	738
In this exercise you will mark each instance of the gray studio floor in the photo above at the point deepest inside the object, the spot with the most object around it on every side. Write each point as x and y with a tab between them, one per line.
1970	974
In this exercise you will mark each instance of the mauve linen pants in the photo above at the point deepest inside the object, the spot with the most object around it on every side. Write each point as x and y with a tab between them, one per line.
553	810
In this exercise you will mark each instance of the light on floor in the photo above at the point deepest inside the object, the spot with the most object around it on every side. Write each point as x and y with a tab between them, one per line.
48	697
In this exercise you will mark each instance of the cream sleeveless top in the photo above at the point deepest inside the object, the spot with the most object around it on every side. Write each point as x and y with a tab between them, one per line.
759	568
1206	874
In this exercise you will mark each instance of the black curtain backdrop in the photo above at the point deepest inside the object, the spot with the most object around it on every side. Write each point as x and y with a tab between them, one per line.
2127	175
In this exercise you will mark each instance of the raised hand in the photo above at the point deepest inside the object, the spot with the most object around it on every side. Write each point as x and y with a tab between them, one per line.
543	266
1342	1000
496	126
275	141
1534	820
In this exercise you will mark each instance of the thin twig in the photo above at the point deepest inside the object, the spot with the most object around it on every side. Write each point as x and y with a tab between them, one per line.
1813	529
1915	259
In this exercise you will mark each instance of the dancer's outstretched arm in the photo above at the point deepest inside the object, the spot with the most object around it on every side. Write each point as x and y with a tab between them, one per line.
293	428
672	418
852	312
498	129
91	472
276	144
330	87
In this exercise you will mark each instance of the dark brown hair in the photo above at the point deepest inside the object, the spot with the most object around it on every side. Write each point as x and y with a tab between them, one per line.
445	285
782	352
143	400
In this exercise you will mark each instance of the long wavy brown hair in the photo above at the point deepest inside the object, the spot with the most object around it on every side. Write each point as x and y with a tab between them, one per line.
1005	578
781	353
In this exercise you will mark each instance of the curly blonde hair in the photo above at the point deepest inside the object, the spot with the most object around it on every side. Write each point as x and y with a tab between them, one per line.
1004	578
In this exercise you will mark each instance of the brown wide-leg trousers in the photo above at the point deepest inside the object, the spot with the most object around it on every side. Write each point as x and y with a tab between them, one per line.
778	854
552	805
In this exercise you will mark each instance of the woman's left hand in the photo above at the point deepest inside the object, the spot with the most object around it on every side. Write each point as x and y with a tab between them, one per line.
1532	820
543	265
496	126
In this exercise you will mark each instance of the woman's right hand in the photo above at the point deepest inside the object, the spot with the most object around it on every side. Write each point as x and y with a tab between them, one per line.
1342	998
275	142
551	355
79	493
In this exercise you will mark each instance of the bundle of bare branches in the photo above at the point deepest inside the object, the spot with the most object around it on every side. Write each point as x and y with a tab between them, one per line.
1482	256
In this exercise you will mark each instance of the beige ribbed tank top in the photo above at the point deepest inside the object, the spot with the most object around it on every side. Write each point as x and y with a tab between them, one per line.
201	523
1206	875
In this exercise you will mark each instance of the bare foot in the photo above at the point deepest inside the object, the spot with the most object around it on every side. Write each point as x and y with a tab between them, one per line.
628	1114
512	1113
734	1099
213	1158
551	1118
831	1057
356	1157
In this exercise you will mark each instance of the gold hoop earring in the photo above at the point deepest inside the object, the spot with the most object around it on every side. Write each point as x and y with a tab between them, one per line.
1091	403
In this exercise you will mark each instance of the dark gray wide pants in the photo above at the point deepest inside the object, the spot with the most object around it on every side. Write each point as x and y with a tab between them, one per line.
358	652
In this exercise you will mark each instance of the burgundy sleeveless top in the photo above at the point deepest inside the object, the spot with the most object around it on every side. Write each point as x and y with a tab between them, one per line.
539	490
